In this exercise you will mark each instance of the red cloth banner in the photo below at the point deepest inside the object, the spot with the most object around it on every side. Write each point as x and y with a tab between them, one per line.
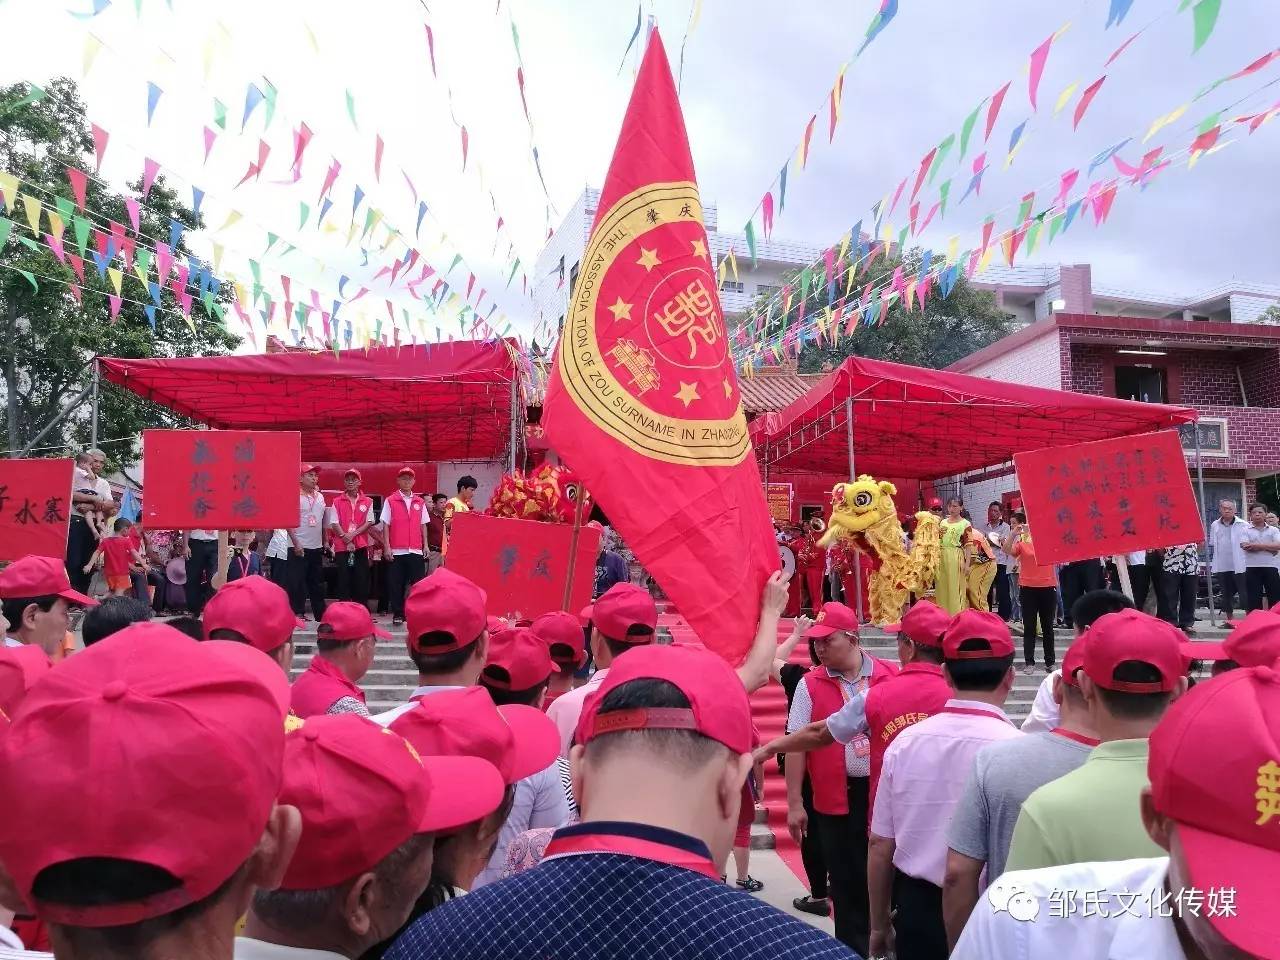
221	479
522	564
1107	497
643	400
35	507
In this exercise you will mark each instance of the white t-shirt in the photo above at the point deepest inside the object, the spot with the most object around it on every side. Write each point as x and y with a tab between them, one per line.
311	510
202	534
278	547
1261	558
1225	540
1045	713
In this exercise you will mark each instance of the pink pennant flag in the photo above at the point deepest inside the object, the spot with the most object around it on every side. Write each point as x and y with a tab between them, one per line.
286	284
210	136
184	300
164	260
766	213
1257	65
115	304
829	263
181	273
1206	139
383	272
471	282
76	292
912	212
922	291
520	84
465	142
1119	50
330	177
412	188
1086	98
986	232
808	137
150	169
377	158
264	150
127	248
925	162
431	49
79	184
833	107
928	217
1038	57
55	244
1065	183
1102	205
100	139
972	267
133	208
301	139
897	194
77	265
117	234
993	111
249	174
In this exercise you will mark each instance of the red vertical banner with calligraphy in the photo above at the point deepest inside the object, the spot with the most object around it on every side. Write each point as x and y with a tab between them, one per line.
35	508
643	400
1108	497
221	479
522	564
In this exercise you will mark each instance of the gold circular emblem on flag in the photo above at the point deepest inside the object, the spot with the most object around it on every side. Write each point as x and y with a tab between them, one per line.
645	351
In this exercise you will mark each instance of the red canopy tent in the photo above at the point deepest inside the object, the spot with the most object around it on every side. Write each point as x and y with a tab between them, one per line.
449	401
917	423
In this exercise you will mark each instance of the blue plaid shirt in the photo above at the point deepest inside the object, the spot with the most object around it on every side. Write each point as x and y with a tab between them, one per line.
610	906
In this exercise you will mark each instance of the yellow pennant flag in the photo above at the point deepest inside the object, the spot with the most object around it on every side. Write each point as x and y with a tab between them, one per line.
33	207
853	275
351	233
56	226
953	247
984	261
217	256
311	37
116	278
232	219
1161	122
721	270
733	264
844	247
206	54
695	15
910	297
140	271
837	94
92	47
8	189
1065	97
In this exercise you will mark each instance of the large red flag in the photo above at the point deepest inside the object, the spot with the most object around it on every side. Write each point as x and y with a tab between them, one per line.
643	399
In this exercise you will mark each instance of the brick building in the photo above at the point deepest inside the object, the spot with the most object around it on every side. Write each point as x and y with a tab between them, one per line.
1229	371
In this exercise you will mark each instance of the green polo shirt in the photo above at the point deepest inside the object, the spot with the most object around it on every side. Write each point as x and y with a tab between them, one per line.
1090	814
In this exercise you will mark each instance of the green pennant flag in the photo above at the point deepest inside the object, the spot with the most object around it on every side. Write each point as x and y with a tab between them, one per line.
1024	209
902	240
80	227
1204	16
142	264
369	217
351	109
272	240
514	267
288	249
1033	234
805	279
220	114
30	279
1055	225
940	154
1209	122
304	212
256	269
944	192
33	95
6	228
515	38
967	130
750	232
457	259
269	98
29	244
207	299
219	311
66	208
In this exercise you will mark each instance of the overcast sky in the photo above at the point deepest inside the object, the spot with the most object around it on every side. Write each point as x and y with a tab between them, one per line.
754	72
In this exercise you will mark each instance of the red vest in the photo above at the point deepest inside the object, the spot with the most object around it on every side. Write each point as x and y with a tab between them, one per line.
406	522
826	768
351	516
319	687
918	691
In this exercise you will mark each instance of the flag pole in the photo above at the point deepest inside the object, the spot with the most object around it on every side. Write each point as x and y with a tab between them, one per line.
573	550
853	477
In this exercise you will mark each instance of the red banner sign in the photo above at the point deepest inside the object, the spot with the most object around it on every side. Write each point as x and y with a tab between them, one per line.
221	479
522	564
1107	497
35	507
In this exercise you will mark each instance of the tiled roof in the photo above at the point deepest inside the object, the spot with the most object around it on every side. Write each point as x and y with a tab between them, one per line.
768	392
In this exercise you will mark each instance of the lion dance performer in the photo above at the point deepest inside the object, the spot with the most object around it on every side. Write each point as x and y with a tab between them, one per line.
811	561
863	512
982	570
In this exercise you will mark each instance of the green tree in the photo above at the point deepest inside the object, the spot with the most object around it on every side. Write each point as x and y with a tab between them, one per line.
47	339
1270	315
941	333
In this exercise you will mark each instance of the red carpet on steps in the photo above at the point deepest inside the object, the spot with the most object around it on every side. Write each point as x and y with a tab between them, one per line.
769	710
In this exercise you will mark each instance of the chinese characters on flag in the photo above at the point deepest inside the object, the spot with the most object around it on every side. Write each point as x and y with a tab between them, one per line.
522	564
35	507
1108	497
221	479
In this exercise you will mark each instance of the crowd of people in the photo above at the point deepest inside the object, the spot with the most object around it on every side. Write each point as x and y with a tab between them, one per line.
169	793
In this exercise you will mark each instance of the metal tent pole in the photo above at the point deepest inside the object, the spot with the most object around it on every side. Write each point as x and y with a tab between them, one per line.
93	427
853	475
515	400
62	414
1213	617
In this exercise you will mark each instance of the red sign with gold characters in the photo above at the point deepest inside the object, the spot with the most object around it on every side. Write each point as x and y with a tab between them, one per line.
643	399
1108	497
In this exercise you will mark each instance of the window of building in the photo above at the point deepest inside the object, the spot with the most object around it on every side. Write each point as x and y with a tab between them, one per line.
766	290
1148	384
733	286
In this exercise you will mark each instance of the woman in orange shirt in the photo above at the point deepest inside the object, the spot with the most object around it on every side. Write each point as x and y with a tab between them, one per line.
1038	594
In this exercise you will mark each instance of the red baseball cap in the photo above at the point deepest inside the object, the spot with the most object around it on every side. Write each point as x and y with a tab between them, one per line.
1224	798
520	741
562	633
255	608
445	603
307	468
934	502
976	625
344	620
924	624
718	707
20	667
187	743
1131	635
621	608
1255	642
39	577
363	791
409	470
832	618
1073	660
518	660
352	472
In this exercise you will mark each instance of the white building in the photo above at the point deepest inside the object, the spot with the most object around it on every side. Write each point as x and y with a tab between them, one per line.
1028	292
557	267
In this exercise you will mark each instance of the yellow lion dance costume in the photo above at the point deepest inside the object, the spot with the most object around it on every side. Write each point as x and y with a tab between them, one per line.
863	512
